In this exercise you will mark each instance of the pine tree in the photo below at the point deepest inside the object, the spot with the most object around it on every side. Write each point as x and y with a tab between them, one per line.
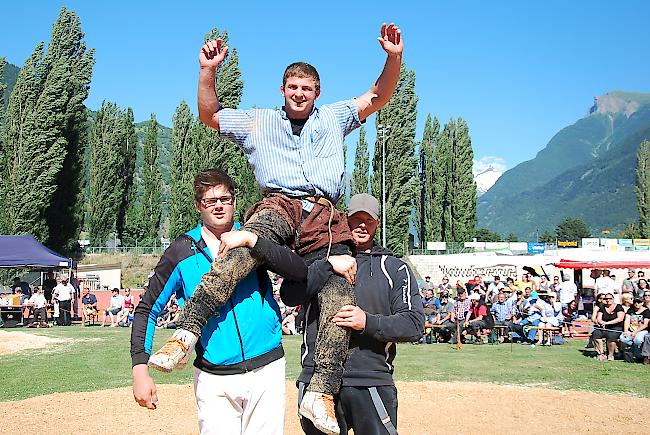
127	174
215	152
400	160
359	182
642	188
182	214
150	204
45	135
106	172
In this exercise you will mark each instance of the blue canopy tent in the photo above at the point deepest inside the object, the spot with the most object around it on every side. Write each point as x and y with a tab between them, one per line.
26	251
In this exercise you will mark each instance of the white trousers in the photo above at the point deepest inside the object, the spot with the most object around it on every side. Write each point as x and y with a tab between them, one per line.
247	403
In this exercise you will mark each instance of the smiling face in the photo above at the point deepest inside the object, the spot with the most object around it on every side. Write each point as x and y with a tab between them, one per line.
299	94
217	208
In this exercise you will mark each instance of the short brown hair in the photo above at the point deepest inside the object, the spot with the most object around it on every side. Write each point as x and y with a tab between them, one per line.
302	69
209	178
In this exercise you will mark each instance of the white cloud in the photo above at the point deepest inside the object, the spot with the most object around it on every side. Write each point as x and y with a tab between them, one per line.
497	163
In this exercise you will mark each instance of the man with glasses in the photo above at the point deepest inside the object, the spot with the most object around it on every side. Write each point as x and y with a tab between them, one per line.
239	370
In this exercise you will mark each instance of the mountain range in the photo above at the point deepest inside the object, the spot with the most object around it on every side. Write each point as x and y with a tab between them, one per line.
586	170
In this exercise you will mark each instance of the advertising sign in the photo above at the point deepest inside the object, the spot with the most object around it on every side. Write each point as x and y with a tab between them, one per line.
535	248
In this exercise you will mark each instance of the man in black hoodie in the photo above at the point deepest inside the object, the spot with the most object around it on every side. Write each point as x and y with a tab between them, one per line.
389	310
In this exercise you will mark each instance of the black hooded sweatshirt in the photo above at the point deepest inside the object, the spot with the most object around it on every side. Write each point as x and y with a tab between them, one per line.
385	289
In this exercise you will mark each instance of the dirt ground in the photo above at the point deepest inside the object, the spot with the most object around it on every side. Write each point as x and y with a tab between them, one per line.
425	408
11	342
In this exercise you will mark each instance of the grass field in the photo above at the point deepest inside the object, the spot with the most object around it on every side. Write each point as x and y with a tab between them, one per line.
97	358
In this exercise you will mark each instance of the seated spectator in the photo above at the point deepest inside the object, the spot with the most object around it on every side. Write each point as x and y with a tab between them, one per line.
22	298
646	298
626	301
609	327
126	318
477	285
460	287
444	286
289	324
461	311
114	309
544	285
493	289
476	321
520	307
444	317
172	316
88	305
642	286
503	310
551	315
636	326
127	307
533	314
39	302
431	305
24	287
570	315
555	285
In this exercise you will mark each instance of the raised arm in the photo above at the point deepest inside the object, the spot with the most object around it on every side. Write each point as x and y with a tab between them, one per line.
379	93
210	57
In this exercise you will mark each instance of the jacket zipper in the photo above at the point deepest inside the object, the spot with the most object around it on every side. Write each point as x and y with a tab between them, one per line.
241	342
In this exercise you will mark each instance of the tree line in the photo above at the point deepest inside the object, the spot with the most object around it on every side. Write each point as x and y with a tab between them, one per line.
65	169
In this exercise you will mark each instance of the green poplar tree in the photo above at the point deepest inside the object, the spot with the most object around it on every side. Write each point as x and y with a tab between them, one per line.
182	214
426	212
464	192
150	204
454	188
215	152
359	182
106	173
45	134
3	156
401	163
642	188
127	171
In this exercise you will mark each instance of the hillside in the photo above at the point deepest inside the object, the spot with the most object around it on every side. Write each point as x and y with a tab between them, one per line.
9	77
586	170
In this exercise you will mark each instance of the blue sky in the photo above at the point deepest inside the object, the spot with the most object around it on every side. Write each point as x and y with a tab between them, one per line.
516	71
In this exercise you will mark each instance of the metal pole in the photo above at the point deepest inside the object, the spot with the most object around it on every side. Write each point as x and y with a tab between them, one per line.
383	188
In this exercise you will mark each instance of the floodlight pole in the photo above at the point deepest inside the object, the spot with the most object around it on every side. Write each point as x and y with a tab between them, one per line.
384	129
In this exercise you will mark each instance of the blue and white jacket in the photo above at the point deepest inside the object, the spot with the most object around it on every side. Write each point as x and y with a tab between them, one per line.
246	335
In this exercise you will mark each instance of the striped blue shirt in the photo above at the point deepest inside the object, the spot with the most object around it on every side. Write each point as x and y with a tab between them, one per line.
502	310
309	164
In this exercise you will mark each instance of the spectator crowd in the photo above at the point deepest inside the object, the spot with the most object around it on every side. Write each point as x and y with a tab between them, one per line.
538	311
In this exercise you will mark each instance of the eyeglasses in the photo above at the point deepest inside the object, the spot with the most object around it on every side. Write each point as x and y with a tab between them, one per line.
610	298
212	202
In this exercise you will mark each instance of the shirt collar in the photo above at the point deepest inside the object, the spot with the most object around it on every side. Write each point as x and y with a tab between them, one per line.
283	113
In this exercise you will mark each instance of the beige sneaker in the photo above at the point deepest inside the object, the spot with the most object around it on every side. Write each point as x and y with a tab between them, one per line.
175	352
319	408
